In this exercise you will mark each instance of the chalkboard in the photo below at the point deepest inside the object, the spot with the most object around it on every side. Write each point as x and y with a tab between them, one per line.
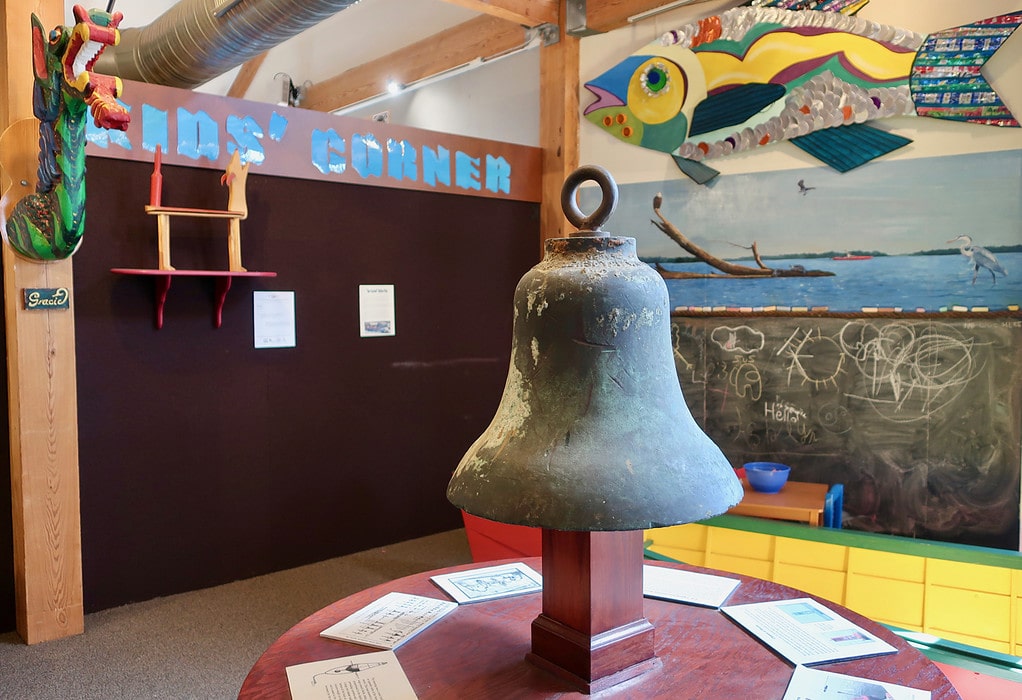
919	418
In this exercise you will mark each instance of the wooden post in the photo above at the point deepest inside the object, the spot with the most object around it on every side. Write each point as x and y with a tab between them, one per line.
41	387
558	125
592	631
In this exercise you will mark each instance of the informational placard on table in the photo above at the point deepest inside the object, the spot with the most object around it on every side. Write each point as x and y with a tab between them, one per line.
490	582
812	684
389	621
805	632
374	676
688	587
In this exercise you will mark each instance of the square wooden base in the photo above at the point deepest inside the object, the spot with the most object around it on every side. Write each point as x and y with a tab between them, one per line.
592	631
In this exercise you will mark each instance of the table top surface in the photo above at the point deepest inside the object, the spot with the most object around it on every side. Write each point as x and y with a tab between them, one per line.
478	651
796	494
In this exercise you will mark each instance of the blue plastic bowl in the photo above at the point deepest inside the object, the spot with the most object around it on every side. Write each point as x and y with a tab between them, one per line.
766	477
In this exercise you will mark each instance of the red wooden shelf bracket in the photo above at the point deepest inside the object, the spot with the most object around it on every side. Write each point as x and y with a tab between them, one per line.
162	279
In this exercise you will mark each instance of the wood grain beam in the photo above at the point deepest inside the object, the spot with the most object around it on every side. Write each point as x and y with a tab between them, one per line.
558	126
482	37
613	14
243	80
41	376
530	13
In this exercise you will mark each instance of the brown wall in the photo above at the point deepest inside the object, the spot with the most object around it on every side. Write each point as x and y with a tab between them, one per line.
204	460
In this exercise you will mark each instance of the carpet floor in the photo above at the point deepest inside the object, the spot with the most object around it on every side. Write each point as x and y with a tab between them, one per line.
201	645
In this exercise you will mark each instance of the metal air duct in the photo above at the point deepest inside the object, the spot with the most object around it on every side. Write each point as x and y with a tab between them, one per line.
197	40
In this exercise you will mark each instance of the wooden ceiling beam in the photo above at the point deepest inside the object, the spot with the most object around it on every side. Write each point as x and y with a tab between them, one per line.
530	13
483	37
605	16
243	80
558	127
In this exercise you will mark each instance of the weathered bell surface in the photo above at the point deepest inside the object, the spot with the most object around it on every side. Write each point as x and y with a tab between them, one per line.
592	431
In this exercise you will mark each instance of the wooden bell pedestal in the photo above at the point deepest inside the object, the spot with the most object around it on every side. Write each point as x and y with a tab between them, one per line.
593	631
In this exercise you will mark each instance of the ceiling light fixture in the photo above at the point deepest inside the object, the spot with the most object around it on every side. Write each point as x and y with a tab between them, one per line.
535	40
658	10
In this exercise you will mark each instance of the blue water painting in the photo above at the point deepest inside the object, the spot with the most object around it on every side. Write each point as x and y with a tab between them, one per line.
909	282
895	209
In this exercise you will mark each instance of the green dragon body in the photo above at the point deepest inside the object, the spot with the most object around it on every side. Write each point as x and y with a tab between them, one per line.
48	224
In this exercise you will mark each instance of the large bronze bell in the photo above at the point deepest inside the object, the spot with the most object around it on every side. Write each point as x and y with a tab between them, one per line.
592	432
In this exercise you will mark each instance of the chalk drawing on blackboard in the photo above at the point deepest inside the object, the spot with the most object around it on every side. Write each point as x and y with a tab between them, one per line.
745	379
679	356
740	339
918	418
812	358
910	372
835	418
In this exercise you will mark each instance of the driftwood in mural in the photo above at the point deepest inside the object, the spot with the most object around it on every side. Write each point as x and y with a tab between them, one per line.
727	269
919	418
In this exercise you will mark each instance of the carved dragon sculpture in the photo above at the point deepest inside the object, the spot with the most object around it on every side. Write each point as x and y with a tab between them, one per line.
48	224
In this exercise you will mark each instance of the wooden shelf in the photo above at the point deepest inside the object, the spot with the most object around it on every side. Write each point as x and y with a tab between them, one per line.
162	280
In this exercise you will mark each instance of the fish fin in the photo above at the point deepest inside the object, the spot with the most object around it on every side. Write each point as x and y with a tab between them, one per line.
946	81
849	146
844	7
699	172
733	106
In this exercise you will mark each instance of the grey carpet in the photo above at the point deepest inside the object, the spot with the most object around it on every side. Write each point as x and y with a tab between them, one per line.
200	645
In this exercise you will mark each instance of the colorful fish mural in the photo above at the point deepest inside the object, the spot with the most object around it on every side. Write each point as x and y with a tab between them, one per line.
754	76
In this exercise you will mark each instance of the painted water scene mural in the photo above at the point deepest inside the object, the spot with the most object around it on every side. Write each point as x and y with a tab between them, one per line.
933	234
861	327
845	277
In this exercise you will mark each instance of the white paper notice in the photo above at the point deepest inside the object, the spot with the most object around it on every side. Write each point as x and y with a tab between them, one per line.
274	319
490	582
390	621
376	310
375	676
806	632
686	586
811	684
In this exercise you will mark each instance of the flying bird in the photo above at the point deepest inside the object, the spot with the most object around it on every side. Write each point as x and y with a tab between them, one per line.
979	257
802	189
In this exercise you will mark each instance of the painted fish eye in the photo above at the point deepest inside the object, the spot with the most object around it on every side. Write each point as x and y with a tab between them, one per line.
656	91
655	79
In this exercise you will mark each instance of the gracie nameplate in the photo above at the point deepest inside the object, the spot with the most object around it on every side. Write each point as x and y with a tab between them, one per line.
47	298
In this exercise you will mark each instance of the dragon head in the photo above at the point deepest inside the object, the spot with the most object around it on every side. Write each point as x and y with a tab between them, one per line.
72	51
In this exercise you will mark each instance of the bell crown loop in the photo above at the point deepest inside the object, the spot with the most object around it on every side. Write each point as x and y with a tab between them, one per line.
589	225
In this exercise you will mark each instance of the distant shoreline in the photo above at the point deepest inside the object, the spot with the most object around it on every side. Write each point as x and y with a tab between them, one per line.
830	254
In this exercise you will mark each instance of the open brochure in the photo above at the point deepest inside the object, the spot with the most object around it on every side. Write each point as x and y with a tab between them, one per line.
813	684
806	632
490	582
375	676
389	621
686	586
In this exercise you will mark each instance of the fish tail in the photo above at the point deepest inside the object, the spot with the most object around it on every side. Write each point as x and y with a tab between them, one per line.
946	82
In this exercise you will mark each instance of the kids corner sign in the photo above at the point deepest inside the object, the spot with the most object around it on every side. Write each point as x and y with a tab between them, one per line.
204	131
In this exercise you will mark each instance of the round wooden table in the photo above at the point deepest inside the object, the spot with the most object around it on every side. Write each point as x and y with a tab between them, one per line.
478	651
